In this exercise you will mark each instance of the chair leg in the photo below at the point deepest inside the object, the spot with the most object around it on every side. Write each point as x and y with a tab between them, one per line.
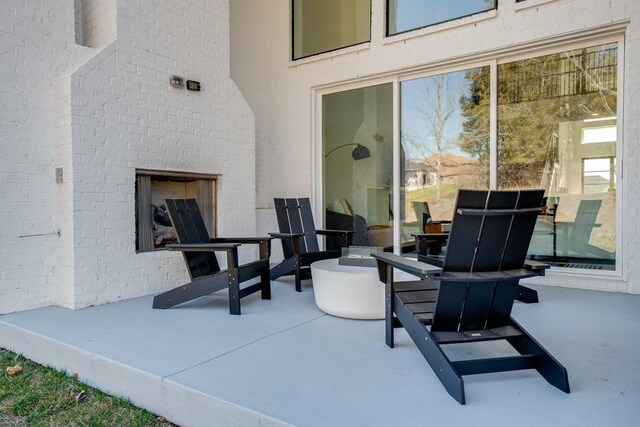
190	291
234	290
527	295
265	276
265	285
432	352
234	299
389	316
298	277
549	367
285	268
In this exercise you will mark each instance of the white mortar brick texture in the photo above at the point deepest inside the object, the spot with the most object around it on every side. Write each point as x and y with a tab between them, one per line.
101	120
95	22
127	116
286	110
100	114
36	47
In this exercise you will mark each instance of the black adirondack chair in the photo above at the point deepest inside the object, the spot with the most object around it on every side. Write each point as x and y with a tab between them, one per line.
199	255
430	248
300	240
469	299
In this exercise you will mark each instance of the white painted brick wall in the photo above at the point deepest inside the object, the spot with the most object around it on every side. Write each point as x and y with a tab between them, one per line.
127	116
252	71
63	258
100	114
95	22
36	47
284	114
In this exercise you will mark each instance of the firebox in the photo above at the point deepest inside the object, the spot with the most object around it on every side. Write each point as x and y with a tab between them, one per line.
153	226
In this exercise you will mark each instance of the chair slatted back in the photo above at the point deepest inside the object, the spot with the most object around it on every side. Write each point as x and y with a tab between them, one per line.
488	242
459	243
190	228
585	221
295	216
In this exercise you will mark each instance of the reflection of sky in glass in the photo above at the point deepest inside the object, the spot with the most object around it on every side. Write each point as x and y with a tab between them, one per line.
420	94
599	134
412	14
598	167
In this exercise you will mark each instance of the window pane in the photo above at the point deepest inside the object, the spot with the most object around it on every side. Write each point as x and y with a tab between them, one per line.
405	15
557	130
445	143
598	175
358	163
325	25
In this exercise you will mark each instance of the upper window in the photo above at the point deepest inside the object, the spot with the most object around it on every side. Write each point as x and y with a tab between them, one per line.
407	15
325	25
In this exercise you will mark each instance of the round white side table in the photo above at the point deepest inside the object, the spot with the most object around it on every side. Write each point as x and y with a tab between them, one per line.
348	291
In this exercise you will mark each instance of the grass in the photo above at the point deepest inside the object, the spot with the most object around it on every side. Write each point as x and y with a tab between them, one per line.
42	396
439	211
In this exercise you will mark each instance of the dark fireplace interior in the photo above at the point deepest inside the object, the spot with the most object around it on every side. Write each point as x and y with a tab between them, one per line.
153	226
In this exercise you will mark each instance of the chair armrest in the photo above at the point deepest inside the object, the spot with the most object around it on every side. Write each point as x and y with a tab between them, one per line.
432	236
498	212
577	224
416	268
435	260
334	232
285	235
536	266
248	240
201	247
484	276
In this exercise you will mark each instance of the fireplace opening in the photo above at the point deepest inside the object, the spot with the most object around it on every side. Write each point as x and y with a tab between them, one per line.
153	226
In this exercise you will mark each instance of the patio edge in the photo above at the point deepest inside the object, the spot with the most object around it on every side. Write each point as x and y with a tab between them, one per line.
177	403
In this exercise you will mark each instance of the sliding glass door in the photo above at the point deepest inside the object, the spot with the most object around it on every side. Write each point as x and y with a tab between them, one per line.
357	141
557	130
549	121
445	144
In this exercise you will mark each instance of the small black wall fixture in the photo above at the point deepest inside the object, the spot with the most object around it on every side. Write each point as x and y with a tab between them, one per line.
358	153
176	81
193	85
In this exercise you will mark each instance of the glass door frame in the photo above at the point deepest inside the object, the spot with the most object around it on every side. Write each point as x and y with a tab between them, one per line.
487	59
317	153
617	37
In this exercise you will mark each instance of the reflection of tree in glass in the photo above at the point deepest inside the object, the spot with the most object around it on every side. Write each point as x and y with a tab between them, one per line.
534	96
437	104
474	136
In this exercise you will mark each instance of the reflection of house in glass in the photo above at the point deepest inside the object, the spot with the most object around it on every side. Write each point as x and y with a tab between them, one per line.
595	183
582	184
419	175
454	169
586	157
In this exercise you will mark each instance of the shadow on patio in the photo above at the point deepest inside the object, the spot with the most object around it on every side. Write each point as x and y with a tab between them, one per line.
286	362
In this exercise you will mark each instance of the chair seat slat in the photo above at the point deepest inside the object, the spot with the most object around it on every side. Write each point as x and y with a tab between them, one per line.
502	332
418	296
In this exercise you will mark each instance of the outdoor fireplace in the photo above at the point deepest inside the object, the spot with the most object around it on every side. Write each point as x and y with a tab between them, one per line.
153	227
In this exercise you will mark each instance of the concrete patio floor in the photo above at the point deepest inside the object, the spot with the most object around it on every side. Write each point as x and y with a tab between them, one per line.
285	362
